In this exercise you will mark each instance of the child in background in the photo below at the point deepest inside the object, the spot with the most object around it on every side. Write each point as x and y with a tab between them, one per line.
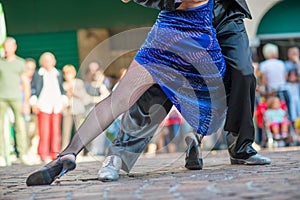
262	107
276	119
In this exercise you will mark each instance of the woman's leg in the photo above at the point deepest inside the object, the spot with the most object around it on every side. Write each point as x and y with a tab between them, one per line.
55	134
67	124
135	82
44	135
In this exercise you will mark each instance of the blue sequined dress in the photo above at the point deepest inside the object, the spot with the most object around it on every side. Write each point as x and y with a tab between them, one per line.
184	57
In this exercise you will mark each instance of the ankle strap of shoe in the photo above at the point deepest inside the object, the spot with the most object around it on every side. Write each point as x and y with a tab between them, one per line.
63	154
198	137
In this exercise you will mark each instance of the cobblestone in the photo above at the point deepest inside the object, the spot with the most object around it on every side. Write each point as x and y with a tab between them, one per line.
164	177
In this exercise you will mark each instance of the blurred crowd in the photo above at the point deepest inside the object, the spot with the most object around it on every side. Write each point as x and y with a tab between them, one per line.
277	113
41	106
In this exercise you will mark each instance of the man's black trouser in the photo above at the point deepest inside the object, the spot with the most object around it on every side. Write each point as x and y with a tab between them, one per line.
140	123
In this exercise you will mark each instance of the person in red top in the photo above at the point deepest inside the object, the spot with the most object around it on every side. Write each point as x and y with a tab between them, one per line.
171	126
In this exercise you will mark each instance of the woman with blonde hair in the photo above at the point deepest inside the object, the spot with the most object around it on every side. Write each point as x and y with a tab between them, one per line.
48	100
78	98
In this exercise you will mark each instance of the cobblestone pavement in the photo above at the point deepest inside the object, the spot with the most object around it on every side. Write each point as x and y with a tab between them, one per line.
164	177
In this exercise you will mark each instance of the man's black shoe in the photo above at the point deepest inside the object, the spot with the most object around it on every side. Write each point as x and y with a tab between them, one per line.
252	160
193	158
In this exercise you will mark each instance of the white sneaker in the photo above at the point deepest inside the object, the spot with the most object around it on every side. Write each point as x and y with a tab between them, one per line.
110	169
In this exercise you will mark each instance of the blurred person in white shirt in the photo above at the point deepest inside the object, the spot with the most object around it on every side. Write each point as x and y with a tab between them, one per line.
48	101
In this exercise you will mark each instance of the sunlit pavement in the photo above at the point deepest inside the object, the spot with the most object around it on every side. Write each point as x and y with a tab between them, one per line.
164	177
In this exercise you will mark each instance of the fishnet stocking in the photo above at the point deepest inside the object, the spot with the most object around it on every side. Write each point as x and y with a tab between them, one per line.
135	82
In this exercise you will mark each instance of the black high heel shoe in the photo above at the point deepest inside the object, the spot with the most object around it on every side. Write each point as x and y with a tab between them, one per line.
53	170
193	158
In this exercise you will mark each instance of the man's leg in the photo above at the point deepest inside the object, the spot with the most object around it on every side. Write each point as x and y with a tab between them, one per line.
138	126
4	147
21	134
234	42
239	121
129	147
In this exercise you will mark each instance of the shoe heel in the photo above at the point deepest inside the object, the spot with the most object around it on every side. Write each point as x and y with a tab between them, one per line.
68	165
63	171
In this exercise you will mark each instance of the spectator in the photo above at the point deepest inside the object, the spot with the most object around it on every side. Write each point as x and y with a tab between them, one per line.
90	71
259	96
31	119
260	88
260	110
167	136
94	85
293	88
171	127
293	62
12	70
78	98
272	69
276	119
273	72
46	83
